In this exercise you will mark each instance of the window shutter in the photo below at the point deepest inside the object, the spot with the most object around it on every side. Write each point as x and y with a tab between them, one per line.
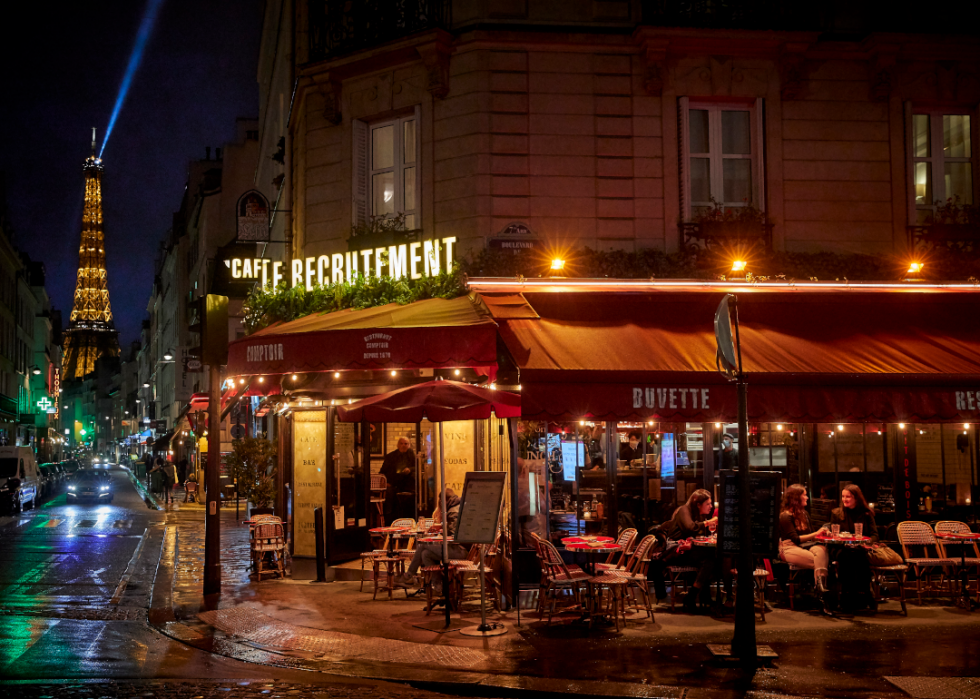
760	151
359	172
909	164
683	148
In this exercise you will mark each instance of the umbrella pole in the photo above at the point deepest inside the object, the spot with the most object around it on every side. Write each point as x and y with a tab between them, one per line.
445	524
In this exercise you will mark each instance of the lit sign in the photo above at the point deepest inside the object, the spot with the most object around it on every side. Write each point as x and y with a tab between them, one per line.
46	405
404	261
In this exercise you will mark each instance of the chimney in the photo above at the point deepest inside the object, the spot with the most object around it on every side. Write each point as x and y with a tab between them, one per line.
207	152
217	154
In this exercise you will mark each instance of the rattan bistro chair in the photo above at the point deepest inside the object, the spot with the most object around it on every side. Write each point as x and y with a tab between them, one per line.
379	489
561	584
971	559
918	538
618	559
635	574
269	547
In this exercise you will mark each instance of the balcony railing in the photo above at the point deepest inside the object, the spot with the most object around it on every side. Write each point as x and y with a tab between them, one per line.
713	234
338	27
962	237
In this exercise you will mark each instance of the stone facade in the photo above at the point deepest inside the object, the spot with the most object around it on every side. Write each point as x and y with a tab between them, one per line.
579	132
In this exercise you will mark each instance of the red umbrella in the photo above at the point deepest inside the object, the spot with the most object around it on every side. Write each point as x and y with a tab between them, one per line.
437	401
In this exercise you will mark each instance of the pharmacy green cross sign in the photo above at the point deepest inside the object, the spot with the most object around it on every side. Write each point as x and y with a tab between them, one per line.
45	405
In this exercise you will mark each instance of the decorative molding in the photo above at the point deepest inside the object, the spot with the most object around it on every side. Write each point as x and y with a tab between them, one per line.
331	88
655	60
881	72
435	58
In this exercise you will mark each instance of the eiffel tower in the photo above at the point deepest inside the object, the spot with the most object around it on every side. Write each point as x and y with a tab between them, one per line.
91	333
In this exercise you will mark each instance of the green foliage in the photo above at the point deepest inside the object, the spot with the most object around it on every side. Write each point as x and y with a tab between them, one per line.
953	211
264	307
733	214
380	224
252	463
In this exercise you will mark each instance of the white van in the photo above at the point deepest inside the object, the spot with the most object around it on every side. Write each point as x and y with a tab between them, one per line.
19	478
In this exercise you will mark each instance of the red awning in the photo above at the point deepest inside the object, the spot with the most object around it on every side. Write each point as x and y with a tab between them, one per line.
809	357
435	333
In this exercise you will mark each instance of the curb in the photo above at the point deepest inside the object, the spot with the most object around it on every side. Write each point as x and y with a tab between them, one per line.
148	498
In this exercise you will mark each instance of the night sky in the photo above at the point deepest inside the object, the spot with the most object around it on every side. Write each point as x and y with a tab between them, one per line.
63	64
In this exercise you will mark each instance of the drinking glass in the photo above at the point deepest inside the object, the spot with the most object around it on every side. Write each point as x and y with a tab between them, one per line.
858	529
835	530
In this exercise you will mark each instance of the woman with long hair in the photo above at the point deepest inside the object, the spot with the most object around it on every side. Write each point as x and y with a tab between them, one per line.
690	520
797	536
854	569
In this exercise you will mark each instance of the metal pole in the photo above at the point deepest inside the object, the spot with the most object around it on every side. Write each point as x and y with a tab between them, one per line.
321	567
515	590
744	640
483	591
445	524
212	516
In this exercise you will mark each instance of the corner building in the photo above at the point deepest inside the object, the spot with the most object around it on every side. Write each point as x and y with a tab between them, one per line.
613	124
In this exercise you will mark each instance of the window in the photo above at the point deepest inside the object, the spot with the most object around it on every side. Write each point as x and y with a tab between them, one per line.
722	161
942	165
386	169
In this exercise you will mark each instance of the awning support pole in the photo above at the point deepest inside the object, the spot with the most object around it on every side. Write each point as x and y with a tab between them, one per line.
445	524
514	516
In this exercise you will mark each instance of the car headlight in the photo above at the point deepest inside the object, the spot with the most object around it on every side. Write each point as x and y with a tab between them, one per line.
71	487
105	487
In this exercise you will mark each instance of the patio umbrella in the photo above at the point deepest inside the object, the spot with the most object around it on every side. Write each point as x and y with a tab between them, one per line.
438	401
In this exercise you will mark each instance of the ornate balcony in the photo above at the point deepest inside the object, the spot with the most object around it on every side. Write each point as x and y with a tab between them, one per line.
960	237
712	234
339	27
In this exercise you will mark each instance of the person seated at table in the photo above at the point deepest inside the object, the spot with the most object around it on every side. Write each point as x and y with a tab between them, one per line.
692	520
797	538
632	450
853	566
430	553
398	468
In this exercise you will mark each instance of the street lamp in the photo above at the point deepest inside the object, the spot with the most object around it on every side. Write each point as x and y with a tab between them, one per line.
168	355
36	370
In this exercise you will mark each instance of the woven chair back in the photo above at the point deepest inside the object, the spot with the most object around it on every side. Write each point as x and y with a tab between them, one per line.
404	522
378	482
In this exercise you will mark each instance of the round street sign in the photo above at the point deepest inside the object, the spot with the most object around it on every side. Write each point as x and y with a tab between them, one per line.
237	431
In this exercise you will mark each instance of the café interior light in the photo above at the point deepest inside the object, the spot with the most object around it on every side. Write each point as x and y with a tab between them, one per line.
456	372
718	425
295	377
901	425
261	379
840	428
779	427
241	381
336	374
394	373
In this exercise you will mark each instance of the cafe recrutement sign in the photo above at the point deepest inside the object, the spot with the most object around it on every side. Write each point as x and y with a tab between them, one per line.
412	260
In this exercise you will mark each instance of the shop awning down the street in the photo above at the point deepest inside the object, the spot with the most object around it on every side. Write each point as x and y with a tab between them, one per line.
434	333
857	356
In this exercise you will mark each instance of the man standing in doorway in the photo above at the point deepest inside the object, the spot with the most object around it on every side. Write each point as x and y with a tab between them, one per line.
399	470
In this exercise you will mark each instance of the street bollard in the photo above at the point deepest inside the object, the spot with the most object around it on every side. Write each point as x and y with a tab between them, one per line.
321	568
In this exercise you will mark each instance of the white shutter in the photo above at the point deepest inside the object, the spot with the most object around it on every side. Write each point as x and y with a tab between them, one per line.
759	155
683	152
909	164
359	172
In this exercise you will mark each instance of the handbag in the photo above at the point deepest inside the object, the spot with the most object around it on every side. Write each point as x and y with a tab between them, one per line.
884	556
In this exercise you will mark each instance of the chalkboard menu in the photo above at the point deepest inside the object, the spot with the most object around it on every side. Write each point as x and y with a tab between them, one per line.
479	513
766	493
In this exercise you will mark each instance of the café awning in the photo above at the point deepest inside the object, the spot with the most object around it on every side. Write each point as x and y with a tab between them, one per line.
434	333
860	356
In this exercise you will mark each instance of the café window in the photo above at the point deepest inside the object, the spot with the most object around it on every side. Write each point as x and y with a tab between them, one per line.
942	162
386	172
850	453
946	465
721	147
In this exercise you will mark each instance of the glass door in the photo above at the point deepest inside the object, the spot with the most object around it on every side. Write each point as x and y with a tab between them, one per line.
347	491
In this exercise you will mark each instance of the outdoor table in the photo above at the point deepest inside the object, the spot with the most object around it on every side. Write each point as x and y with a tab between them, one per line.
388	531
434	540
711	541
587	539
843	540
592	548
962	540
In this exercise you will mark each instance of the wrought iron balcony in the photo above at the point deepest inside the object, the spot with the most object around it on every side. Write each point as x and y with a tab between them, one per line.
713	234
960	237
338	27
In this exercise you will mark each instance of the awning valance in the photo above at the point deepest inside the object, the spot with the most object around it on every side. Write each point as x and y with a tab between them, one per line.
849	356
434	333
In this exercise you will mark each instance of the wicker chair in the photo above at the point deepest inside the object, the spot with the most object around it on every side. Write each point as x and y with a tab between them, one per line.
918	537
618	559
379	489
253	524
635	574
558	577
370	556
969	554
269	546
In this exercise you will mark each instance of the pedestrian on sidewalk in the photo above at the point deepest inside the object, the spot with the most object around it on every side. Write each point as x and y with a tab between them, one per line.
169	480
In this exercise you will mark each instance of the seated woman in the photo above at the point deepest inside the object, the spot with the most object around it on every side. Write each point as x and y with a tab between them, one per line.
854	569
430	554
691	520
796	538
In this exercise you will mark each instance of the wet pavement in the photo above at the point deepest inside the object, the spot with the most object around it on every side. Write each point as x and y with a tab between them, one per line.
115	591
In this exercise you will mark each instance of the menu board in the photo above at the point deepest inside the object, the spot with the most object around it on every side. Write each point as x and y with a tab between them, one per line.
766	494
479	513
309	476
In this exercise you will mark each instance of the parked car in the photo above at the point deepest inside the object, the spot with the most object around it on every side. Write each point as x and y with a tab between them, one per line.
71	465
20	479
90	484
49	480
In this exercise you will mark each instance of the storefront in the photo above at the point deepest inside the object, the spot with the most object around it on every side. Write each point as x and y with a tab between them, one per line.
848	383
319	362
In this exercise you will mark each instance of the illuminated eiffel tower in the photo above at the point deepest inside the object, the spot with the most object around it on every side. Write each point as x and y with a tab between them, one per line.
91	333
